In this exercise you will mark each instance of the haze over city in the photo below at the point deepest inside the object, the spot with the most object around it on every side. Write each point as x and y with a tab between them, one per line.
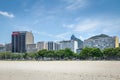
51	20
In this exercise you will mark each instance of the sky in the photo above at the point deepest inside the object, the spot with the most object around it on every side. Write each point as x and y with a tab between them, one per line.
56	20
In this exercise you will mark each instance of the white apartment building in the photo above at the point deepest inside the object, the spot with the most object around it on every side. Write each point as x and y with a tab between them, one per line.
42	45
71	44
31	48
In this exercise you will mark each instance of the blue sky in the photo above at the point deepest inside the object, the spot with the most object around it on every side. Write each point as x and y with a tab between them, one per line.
55	20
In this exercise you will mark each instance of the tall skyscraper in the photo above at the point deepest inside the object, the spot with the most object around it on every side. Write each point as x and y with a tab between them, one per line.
20	39
80	42
51	45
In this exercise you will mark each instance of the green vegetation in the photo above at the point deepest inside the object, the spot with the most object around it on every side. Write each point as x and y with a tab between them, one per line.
66	54
91	53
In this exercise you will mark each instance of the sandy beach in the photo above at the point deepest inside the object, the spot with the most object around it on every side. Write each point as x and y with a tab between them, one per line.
59	70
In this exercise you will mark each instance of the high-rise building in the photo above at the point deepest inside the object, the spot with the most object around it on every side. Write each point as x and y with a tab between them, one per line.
20	39
53	45
57	45
80	42
42	45
102	41
71	44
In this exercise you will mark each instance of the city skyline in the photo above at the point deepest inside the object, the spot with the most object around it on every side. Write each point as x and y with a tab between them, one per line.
51	20
23	41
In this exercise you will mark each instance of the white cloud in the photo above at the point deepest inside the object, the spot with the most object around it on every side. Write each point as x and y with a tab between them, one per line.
83	26
68	26
94	26
86	25
7	14
34	31
75	4
62	36
112	26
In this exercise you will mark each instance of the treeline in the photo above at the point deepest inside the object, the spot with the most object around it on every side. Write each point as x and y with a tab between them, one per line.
66	54
97	54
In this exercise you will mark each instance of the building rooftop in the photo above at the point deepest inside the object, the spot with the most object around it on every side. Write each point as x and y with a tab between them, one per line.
99	36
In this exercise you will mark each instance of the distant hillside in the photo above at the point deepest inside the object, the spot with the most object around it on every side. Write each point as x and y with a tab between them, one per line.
98	36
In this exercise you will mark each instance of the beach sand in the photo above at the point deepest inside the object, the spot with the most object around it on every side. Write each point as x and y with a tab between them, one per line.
59	70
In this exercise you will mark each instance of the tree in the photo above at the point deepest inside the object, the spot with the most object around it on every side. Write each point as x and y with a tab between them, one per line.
60	54
42	54
50	54
95	53
85	53
5	55
75	56
25	56
14	56
17	56
116	51
68	53
31	56
2	55
108	53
